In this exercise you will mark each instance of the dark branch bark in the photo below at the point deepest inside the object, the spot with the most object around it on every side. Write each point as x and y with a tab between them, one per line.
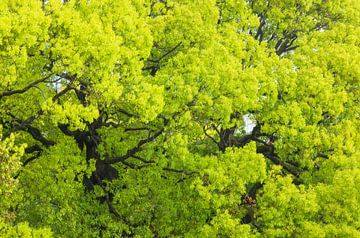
19	91
180	171
33	149
34	132
143	160
275	159
62	92
285	44
125	113
137	129
134	150
108	198
65	129
165	54
227	139
155	67
210	137
32	158
260	33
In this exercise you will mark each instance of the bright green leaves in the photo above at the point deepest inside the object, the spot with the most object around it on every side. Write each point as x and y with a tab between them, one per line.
22	37
11	192
284	205
95	42
76	115
224	225
245	164
159	90
316	89
237	13
340	199
23	230
57	199
10	165
225	178
182	24
103	45
329	208
201	77
145	99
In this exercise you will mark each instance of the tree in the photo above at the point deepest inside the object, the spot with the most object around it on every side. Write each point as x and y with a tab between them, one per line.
126	118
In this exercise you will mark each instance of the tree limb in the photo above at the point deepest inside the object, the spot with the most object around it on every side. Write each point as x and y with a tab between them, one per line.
180	171
34	132
19	91
134	150
165	54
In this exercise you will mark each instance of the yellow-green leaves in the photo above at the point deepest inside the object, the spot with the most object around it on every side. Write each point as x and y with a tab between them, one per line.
284	205
225	177
134	115
23	32
145	99
76	115
23	230
225	225
10	164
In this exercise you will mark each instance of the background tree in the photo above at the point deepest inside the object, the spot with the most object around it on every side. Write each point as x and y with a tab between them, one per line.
132	113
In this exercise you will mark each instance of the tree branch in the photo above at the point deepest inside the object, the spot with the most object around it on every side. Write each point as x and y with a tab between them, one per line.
61	93
260	34
143	160
210	137
18	91
271	156
134	150
180	171
165	54
34	132
137	129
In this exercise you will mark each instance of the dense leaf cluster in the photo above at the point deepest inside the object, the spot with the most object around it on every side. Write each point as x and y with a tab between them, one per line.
126	118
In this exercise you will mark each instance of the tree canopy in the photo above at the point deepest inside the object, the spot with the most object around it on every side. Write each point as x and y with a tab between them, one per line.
125	118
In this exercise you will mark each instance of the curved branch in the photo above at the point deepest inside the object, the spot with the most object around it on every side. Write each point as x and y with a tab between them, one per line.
33	131
181	171
133	151
19	91
275	159
165	54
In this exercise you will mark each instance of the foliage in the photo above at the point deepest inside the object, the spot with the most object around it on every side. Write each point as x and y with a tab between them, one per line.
126	118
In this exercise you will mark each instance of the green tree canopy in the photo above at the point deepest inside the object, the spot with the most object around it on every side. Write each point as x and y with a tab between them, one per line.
125	118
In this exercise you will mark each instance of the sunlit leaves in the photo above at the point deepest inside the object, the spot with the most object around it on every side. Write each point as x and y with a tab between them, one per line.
158	91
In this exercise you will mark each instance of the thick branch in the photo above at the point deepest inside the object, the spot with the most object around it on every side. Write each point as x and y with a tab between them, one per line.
34	132
286	43
125	112
271	156
32	149
155	67
62	92
108	198
37	135
65	129
31	158
18	91
137	129
143	160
